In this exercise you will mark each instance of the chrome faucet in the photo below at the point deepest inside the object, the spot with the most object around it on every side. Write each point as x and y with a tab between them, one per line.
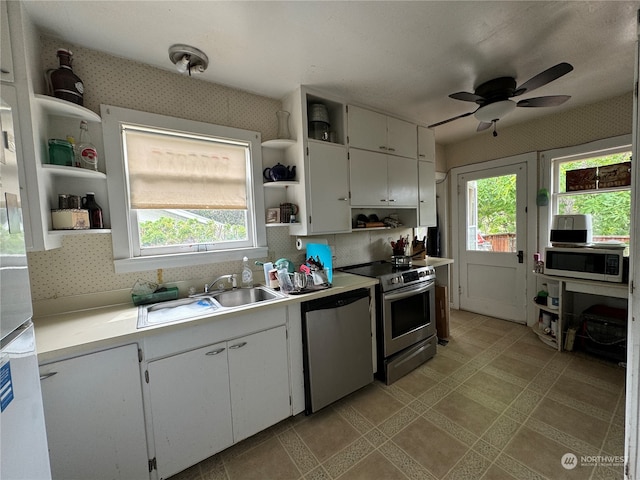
233	280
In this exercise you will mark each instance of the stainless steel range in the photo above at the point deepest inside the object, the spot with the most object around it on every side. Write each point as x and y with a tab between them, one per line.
405	316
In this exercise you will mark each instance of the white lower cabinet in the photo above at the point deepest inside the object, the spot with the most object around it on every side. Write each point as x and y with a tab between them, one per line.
205	399
190	407
259	379
94	416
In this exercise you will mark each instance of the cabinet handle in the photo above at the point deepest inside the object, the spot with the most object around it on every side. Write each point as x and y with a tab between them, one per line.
422	155
391	149
383	199
382	147
237	345
215	352
47	375
421	201
392	200
343	199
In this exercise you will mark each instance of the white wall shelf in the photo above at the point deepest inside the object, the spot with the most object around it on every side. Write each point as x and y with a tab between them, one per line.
278	143
75	172
56	106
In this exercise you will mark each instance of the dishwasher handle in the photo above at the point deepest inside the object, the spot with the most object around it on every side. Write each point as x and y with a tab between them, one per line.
335	301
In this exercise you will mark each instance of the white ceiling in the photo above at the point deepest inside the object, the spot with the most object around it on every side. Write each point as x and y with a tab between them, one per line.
400	57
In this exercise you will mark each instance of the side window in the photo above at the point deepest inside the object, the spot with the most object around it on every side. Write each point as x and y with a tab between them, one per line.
179	188
597	183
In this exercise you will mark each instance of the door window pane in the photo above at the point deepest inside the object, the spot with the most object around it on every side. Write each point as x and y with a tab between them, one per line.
491	214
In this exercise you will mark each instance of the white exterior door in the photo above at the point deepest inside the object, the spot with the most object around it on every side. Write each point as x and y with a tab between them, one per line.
492	241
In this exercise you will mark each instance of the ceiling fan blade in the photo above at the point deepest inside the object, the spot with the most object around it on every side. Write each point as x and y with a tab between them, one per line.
549	75
451	119
483	126
550	101
467	97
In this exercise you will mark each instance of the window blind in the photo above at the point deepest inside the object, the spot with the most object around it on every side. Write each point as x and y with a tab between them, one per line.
170	171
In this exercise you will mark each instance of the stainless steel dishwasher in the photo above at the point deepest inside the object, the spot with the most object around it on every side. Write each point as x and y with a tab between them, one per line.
336	336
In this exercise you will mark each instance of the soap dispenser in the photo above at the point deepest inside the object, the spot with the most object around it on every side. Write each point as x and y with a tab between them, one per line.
247	274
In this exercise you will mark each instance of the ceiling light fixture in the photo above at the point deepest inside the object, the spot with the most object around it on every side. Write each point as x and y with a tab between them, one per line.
495	111
188	59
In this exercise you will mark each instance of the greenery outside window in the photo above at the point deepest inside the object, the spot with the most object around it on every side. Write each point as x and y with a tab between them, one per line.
186	190
610	208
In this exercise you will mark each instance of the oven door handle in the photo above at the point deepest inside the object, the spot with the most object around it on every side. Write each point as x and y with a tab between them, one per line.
408	293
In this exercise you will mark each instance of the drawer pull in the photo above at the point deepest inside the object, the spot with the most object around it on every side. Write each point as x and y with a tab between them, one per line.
237	345
215	352
44	376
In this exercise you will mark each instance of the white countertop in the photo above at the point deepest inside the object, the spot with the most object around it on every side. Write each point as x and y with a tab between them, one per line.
72	333
433	261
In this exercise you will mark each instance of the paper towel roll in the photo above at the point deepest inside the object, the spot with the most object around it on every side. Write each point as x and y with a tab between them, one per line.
301	243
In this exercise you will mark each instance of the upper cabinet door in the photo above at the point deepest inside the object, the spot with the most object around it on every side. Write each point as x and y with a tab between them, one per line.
401	138
328	185
427	194
368	178
367	129
426	144
403	184
6	56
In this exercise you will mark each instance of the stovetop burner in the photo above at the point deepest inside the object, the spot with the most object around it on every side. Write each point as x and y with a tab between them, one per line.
390	276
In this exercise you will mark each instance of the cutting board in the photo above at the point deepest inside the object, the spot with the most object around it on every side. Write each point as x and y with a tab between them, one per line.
324	253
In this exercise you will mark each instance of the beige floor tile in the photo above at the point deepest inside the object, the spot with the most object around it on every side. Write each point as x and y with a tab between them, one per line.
480	337
607	372
326	433
267	460
430	446
535	350
459	343
497	388
373	466
442	364
496	473
415	383
543	455
374	404
466	412
574	422
516	367
606	400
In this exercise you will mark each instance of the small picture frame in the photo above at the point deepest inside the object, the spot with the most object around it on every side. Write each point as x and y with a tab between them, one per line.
273	215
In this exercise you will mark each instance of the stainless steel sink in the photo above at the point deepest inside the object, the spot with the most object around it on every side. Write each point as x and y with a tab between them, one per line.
245	296
202	305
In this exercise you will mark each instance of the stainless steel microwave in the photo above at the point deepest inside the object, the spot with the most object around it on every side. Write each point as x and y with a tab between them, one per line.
601	264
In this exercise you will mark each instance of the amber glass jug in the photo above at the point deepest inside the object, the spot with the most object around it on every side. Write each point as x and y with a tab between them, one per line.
95	212
64	83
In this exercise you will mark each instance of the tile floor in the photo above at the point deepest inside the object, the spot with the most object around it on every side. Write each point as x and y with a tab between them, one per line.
495	403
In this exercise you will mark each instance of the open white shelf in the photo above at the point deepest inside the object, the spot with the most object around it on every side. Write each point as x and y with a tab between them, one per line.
56	106
75	172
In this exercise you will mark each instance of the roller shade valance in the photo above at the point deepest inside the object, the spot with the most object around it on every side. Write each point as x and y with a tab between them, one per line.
168	171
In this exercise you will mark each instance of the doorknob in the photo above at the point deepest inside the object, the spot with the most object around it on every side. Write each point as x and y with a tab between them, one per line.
520	256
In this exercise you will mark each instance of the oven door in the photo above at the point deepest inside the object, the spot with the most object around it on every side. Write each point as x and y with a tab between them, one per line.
408	316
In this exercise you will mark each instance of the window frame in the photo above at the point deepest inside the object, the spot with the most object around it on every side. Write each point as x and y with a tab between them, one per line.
548	175
122	228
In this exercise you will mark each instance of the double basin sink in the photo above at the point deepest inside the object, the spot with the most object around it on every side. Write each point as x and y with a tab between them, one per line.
203	305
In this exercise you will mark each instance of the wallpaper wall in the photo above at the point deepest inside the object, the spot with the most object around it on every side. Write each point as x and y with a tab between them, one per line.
84	264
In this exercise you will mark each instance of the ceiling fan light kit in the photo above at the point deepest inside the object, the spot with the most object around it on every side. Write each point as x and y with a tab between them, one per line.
494	97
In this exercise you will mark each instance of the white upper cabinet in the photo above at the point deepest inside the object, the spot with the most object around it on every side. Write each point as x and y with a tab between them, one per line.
379	133
427	194
426	144
328	188
6	56
380	180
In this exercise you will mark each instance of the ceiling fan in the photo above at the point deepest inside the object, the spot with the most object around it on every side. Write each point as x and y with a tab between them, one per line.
494	97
